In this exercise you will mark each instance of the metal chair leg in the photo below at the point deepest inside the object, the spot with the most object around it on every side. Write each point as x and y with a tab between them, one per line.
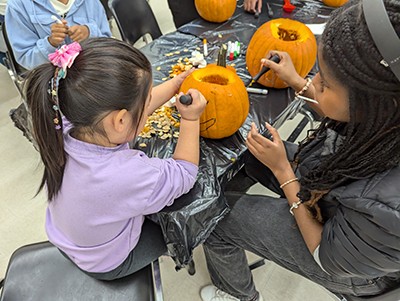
158	292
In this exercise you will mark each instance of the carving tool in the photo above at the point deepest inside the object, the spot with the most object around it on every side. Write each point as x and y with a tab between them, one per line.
270	12
275	58
186	99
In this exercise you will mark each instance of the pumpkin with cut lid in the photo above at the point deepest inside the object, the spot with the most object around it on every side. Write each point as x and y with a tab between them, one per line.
287	35
227	100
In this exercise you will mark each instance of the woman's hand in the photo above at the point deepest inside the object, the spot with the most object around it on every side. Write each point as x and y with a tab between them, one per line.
285	70
271	153
193	111
78	33
252	6
58	33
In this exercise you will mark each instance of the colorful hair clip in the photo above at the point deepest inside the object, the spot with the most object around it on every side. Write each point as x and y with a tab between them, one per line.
64	57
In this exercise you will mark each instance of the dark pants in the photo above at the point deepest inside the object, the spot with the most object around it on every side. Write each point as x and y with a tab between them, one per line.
183	11
264	226
151	245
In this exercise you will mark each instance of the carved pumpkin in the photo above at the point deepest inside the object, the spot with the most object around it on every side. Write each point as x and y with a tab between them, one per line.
227	100
287	35
335	3
215	10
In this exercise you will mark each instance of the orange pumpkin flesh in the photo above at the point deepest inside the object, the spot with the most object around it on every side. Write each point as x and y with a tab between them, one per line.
287	35
334	3
217	11
227	100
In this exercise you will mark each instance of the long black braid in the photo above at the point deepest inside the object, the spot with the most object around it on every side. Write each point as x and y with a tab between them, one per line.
372	136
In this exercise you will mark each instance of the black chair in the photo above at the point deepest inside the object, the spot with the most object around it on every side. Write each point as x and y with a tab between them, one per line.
106	8
39	272
135	19
15	70
17	73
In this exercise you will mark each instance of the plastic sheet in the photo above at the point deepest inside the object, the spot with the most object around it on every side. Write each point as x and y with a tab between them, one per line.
189	221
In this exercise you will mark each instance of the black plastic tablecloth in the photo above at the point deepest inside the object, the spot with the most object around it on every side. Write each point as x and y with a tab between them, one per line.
189	221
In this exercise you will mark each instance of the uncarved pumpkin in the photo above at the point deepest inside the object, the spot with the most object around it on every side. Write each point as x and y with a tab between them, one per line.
217	11
227	100
287	35
335	3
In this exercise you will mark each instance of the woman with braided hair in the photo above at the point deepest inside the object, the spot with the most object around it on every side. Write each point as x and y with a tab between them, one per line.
338	220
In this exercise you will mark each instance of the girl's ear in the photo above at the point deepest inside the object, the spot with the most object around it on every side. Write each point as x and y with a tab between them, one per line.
120	120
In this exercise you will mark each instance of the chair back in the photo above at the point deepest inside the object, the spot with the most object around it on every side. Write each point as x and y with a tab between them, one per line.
15	70
106	8
134	19
40	272
18	69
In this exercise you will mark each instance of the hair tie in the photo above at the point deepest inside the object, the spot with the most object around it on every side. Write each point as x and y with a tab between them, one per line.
62	58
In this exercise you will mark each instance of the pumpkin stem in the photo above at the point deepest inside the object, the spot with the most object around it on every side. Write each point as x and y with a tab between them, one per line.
221	61
287	34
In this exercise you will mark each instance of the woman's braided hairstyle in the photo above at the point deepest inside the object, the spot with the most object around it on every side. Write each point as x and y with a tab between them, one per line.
372	136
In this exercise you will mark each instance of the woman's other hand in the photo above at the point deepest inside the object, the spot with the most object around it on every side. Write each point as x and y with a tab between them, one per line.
58	33
271	153
78	33
252	6
285	69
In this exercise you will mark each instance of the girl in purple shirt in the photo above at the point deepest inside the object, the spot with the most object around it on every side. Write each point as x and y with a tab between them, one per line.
99	190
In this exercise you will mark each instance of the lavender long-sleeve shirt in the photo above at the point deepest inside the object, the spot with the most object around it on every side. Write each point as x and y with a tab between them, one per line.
96	217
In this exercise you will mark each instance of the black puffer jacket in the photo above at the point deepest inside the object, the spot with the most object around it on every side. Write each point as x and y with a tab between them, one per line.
361	235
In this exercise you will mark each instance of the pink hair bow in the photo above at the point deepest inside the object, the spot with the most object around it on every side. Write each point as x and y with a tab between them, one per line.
64	57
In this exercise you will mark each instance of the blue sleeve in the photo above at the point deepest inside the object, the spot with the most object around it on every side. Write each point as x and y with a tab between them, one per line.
30	50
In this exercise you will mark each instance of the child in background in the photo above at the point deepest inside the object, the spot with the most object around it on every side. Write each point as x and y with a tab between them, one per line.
34	34
98	189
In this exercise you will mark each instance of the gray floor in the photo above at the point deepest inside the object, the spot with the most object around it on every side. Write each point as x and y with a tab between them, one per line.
22	213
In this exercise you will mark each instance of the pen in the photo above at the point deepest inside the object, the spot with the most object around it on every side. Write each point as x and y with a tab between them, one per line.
307	99
57	20
257	91
205	49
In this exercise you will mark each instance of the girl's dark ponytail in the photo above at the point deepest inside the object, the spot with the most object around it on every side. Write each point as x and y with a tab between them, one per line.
48	136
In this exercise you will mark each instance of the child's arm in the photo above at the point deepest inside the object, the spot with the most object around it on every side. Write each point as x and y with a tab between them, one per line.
187	147
163	92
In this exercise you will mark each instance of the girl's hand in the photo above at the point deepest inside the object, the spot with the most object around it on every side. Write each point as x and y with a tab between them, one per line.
178	80
252	6
271	153
193	111
58	33
78	33
285	70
